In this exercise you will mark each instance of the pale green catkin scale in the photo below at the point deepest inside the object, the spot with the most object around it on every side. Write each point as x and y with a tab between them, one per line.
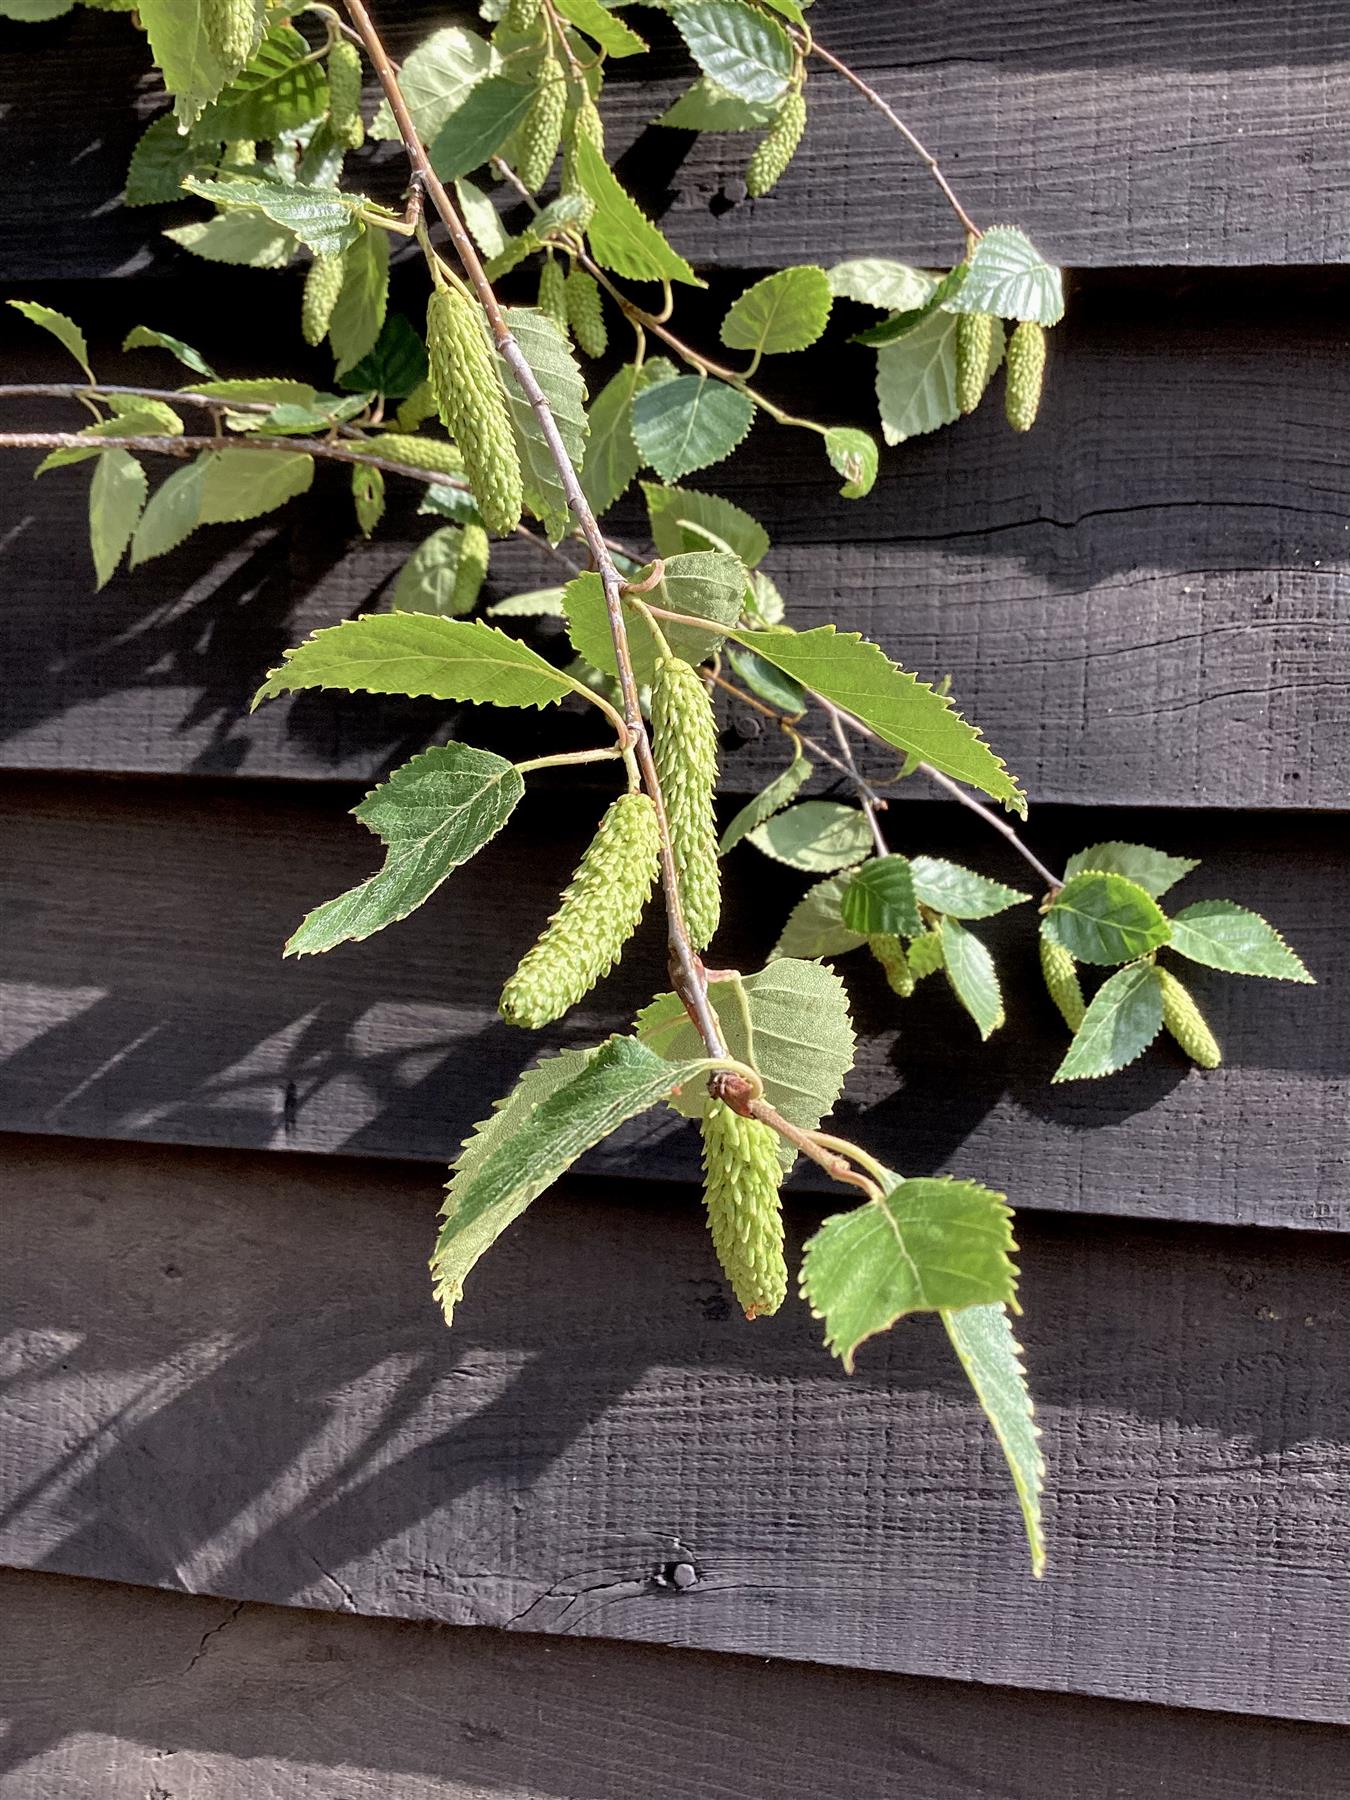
541	129
1025	375
586	313
553	291
432	454
684	744
890	953
344	93
1183	1018
777	147
231	28
240	153
598	913
472	405
926	955
745	1215
521	14
1062	983
974	340
471	571
323	284
585	123
417	408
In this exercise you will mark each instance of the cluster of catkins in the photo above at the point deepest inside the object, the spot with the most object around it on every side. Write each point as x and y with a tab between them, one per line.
1024	374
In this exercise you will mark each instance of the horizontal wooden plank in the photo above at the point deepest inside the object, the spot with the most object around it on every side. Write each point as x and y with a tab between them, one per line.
117	1690
1200	132
144	996
1141	602
227	1376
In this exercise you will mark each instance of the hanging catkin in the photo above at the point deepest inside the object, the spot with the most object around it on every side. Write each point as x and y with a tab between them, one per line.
541	129
1026	373
776	148
344	94
434	455
585	312
1184	1020
745	1215
974	341
1062	983
231	28
472	404
890	953
684	744
552	291
323	284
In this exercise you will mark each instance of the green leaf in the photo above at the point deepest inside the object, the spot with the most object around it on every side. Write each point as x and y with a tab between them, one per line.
396	365
162	160
532	1145
143	418
880	899
916	378
1224	936
901	709
245	484
770	800
815	926
358	317
854	455
1122	1020
446	502
928	1245
708	107
479	125
293	418
431	815
818	836
418	654
244	239
182	44
900	324
688	423
611	455
538	603
1103	918
622	238
278	91
173	511
973	978
612	35
763	602
277	390
1010	278
744	52
991	1357
948	888
549	353
141	337
481	217
768	682
436	78
116	496
783	312
790	1022
426	582
684	519
706	584
876	281
324	219
33	12
64	330
1152	870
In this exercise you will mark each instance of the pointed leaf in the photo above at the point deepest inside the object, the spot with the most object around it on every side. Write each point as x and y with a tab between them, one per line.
785	311
184	46
1010	278
900	324
916	377
1224	936
991	1357
549	354
948	888
322	218
1103	918
1153	870
173	511
879	901
429	580
244	484
436	78
162	159
280	89
974	980
708	107
600	25
358	317
622	238
538	603
116	496
245	239
768	682
815	926
480	125
680	515
688	423
480	215
876	281
854	455
612	458
818	836
1122	1020
744	52
141	337
706	584
767	802
64	330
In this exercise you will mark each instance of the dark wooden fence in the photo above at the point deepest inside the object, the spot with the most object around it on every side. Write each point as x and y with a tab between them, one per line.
223	1375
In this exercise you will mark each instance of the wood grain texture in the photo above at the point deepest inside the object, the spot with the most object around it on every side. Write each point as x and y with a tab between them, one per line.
144	997
227	1376
1141	602
128	1693
1128	133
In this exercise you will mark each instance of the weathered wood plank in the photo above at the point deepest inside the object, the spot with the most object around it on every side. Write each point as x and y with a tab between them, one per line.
144	996
1204	132
121	1691
227	1376
1131	611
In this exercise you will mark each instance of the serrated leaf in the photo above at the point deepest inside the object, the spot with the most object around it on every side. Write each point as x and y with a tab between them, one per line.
744	52
707	107
147	423
771	799
295	419
480	125
280	89
768	682
538	603
948	888
1103	918
358	317
763	602
33	12
142	337
879	901
396	365
904	711
182	44
990	1355
622	238
689	423
432	815
244	239
854	455
1008	276
818	836
116	496
427	581
705	584
815	926
549	354
446	502
162	160
916	377
783	312
418	654
928	1245
1153	870
323	219
876	281
673	511
277	390
600	25
481	217
1225	936
1122	1020
789	1021
64	330
974	980
172	512
436	78
611	455
900	324
245	484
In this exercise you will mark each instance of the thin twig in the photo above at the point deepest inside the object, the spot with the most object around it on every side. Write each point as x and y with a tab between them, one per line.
868	798
789	724
991	818
804	1141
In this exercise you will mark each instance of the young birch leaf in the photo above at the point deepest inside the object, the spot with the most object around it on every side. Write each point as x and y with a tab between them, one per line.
1008	277
766	803
142	337
948	888
900	324
436	78
480	215
819	836
876	281
767	682
916	380
173	511
622	238
276	390
707	107
1122	1020
783	312
688	423
247	240
1103	918
706	584
395	367
279	90
904	711
244	484
928	1245
974	980
880	899
116	496
358	317
815	926
991	1357
538	603
1152	870
612	458
745	53
324	219
680	515
854	455
479	126
421	655
430	580
1224	936
600	25
432	815
550	356
161	161
64	330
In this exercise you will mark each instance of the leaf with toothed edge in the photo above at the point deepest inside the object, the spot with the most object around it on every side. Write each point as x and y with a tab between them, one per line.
1223	935
991	1357
1122	1020
815	926
771	799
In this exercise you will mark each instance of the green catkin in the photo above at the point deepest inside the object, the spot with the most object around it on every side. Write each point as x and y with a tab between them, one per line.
541	129
586	313
472	406
552	291
926	955
974	341
890	953
598	913
1026	373
471	570
231	28
419	406
344	94
585	123
776	148
521	14
1184	1020
684	745
1062	983
323	284
745	1215
434	455
240	153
